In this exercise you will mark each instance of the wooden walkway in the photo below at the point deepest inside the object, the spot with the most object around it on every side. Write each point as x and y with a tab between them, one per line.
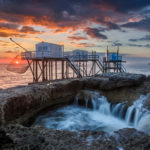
45	68
52	69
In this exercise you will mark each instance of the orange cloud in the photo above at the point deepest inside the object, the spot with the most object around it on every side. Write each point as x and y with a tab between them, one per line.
83	44
77	38
5	42
14	30
62	25
136	19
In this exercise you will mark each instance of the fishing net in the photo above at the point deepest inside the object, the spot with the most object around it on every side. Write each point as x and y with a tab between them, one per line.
18	65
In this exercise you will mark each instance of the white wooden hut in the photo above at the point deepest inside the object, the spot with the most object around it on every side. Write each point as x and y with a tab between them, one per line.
49	50
80	54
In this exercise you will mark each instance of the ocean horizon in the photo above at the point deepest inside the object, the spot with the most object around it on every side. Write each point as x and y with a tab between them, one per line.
139	65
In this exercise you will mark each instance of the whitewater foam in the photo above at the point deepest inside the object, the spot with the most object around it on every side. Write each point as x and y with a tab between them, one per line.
102	117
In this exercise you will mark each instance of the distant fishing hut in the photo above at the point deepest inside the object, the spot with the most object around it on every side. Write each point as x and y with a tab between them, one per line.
113	62
80	54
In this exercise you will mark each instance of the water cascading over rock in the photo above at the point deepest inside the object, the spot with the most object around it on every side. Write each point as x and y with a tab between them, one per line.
96	113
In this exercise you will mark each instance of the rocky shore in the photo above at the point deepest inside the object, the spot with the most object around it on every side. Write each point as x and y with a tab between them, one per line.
20	105
37	138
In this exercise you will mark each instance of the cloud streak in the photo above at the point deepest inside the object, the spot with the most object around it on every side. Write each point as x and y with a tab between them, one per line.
77	38
145	38
143	24
139	45
11	29
95	33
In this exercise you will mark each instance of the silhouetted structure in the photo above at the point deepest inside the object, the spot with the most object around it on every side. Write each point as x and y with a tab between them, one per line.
113	62
48	63
52	69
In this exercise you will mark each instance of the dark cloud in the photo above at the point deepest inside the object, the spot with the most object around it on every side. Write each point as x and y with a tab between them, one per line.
45	12
108	24
112	26
145	38
8	26
29	30
117	44
10	52
58	12
147	45
95	33
69	6
57	30
11	29
5	34
143	24
86	44
71	14
83	44
125	5
133	40
139	45
77	38
135	45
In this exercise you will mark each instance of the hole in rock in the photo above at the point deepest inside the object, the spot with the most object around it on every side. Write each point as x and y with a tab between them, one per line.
92	111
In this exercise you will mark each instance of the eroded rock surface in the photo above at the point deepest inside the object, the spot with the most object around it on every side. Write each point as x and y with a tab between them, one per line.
5	140
22	103
131	139
37	138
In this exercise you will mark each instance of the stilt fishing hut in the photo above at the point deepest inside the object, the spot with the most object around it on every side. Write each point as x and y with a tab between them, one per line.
113	62
48	63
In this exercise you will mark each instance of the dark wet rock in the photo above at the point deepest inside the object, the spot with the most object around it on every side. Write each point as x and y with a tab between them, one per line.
38	138
23	103
148	77
124	76
124	79
131	139
147	103
5	141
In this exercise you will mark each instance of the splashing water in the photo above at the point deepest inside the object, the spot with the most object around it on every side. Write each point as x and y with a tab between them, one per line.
102	117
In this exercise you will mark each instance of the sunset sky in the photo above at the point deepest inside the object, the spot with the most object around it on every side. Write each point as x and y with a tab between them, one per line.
82	24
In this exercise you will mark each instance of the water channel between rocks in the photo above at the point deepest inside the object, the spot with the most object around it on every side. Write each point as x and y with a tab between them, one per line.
100	116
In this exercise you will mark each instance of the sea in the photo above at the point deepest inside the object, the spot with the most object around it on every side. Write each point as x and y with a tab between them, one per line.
9	79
